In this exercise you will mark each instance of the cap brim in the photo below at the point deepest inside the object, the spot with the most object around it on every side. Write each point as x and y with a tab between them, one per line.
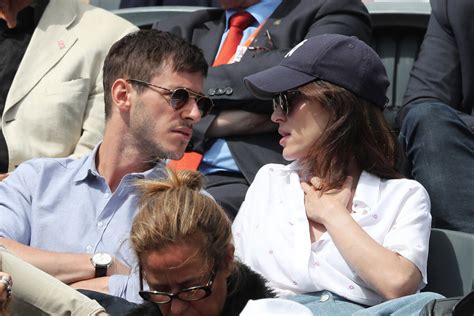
267	83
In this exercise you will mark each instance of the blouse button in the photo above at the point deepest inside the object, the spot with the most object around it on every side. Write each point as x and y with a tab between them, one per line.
324	297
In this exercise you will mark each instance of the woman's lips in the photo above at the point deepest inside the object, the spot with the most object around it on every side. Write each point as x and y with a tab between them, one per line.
285	135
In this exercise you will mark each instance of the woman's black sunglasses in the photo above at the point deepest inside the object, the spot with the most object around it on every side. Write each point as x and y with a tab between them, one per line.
283	100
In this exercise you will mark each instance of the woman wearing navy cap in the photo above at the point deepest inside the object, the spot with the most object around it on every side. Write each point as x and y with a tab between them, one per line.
338	229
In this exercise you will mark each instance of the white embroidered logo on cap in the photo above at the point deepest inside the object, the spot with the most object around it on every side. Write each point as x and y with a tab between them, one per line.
294	49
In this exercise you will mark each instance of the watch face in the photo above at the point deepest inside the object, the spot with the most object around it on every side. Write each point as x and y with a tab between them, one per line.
102	259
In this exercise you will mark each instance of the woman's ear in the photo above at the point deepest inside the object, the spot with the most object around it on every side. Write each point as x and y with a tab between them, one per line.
229	263
121	94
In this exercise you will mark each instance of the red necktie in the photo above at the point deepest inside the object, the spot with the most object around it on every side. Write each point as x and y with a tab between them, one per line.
238	23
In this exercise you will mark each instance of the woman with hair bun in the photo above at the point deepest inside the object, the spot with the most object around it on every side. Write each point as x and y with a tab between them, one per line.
184	246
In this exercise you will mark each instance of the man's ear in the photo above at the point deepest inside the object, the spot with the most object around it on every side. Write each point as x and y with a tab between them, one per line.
121	92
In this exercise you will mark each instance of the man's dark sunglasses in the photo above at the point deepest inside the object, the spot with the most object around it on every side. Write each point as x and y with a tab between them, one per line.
190	294
179	97
283	100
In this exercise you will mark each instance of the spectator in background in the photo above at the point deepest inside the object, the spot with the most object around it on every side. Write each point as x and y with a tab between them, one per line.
337	224
51	95
239	137
437	121
63	214
147	3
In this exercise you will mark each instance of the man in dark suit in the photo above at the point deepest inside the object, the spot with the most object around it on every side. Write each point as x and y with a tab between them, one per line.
437	122
238	137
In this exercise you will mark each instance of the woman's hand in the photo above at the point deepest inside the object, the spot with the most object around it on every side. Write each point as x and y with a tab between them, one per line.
321	205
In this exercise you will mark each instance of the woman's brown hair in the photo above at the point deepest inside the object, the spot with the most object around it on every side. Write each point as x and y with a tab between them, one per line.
176	210
356	132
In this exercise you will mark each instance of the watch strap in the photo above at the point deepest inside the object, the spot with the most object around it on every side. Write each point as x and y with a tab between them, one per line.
100	271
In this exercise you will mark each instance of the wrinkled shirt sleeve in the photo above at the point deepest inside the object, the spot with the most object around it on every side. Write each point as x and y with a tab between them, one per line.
16	198
126	286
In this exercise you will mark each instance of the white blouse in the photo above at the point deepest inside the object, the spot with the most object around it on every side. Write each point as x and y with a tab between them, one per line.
271	232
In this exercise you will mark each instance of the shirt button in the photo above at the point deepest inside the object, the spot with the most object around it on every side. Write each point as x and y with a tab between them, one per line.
106	195
229	90
100	224
324	297
89	248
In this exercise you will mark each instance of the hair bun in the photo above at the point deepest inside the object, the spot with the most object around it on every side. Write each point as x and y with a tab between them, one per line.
192	180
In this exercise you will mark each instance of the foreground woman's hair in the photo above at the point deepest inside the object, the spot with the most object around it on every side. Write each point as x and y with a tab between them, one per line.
175	209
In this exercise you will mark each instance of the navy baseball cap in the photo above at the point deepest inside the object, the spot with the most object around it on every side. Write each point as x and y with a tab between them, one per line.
341	60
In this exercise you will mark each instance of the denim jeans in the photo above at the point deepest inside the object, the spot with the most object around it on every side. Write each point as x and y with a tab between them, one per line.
327	303
438	143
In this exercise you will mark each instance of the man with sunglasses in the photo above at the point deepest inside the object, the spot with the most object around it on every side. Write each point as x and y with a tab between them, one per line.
72	218
238	137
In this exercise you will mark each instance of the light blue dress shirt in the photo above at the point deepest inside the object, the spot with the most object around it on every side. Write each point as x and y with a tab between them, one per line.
65	205
218	157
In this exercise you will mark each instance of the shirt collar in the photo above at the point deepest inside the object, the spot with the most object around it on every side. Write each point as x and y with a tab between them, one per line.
364	194
260	11
367	189
89	168
291	167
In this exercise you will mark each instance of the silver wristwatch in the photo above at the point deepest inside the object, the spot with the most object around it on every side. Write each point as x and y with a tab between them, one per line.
101	262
